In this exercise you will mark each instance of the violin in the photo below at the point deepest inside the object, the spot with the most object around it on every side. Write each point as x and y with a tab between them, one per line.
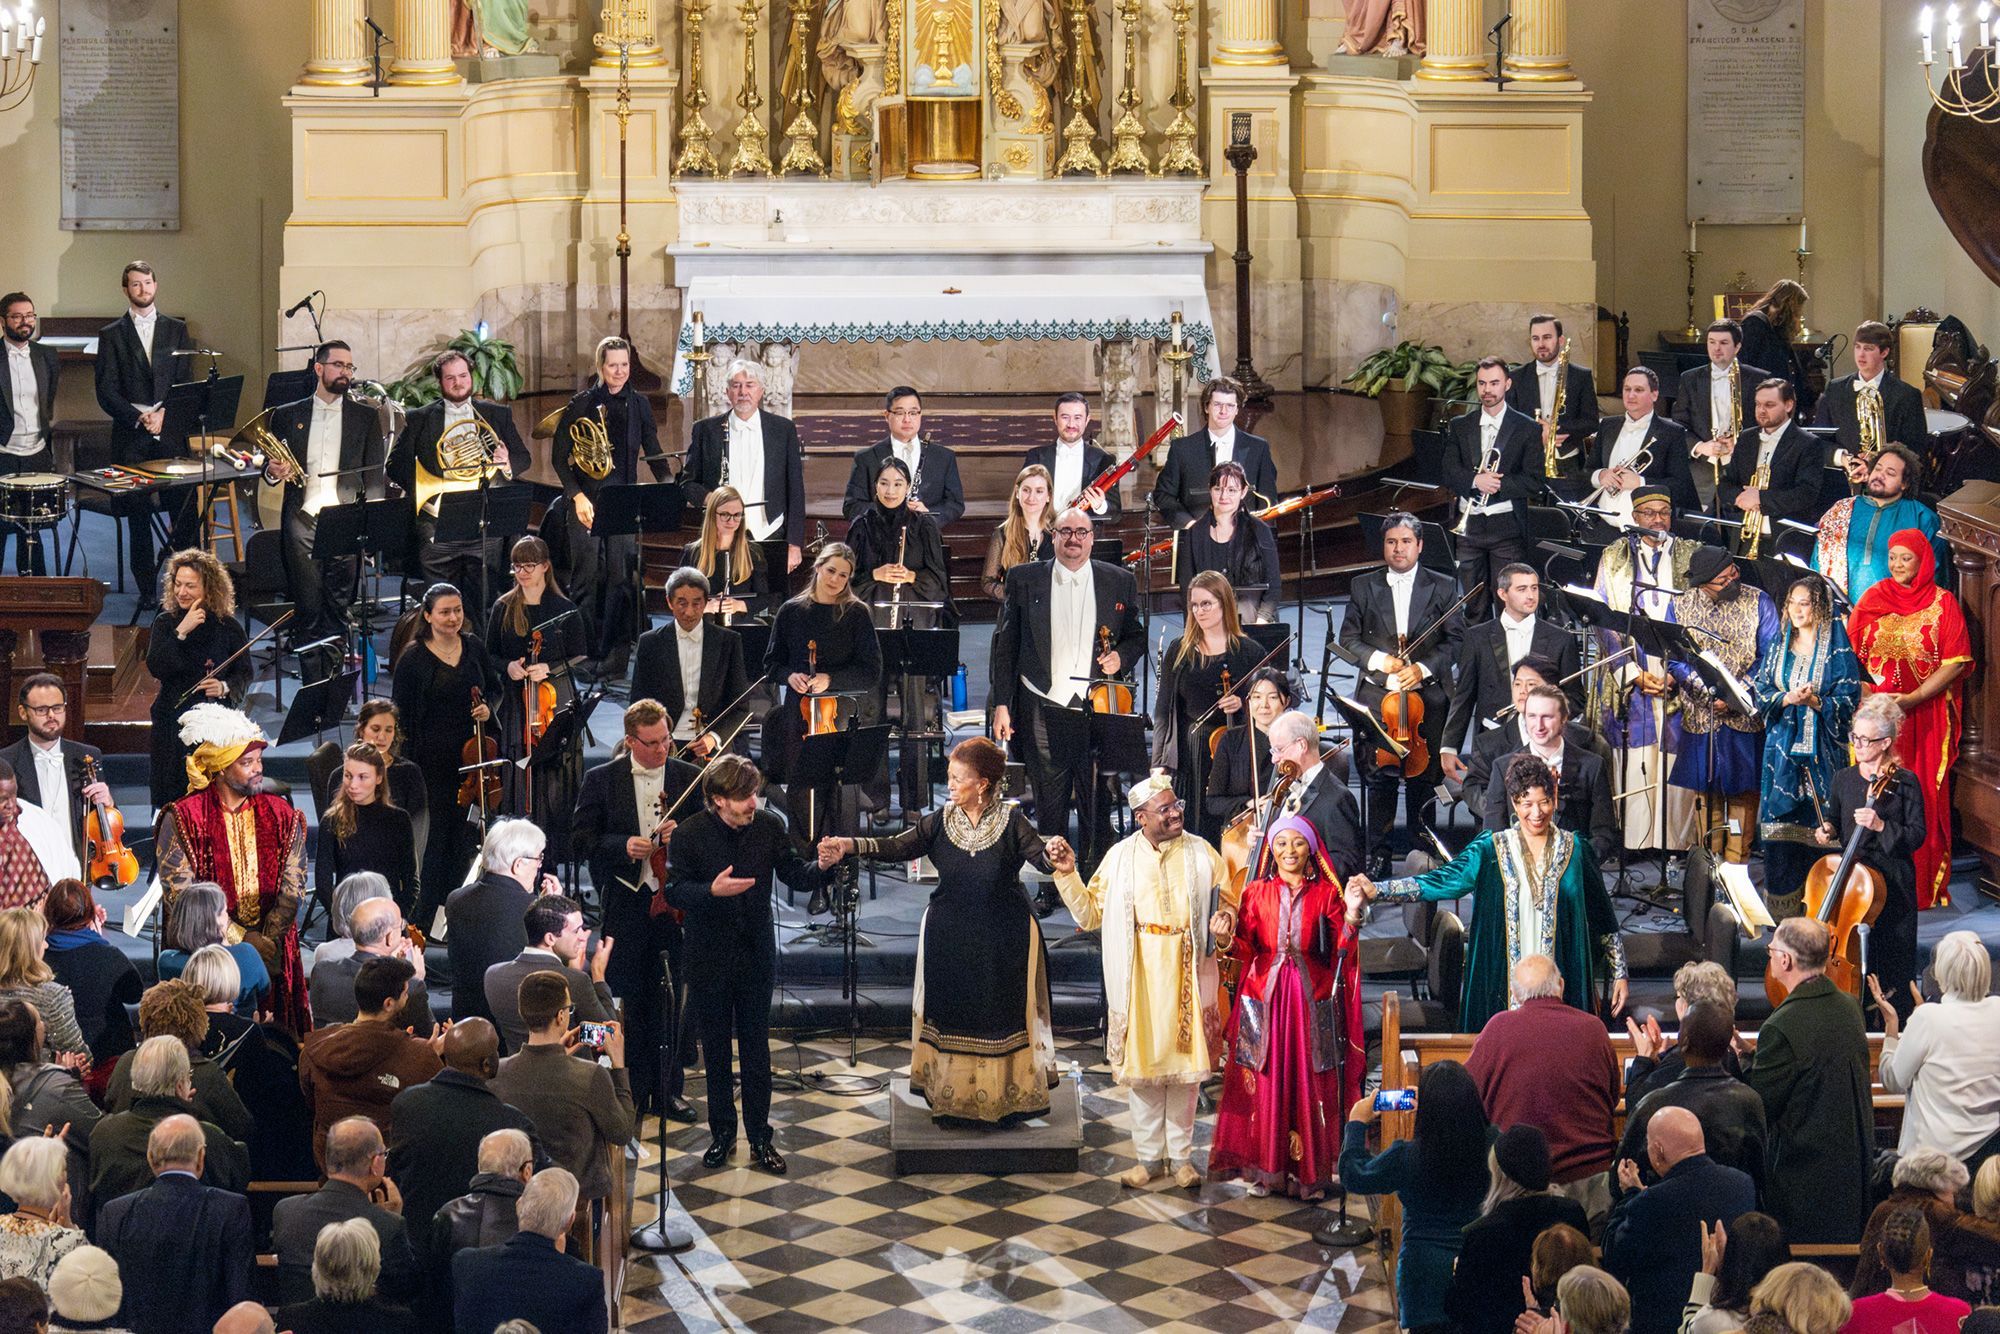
699	746
480	787
111	864
1402	717
658	862
820	711
1215	737
1108	696
538	698
1847	897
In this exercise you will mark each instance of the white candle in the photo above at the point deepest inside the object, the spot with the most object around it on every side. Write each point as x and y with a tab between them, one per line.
1802	231
6	40
1694	242
1925	27
699	340
35	56
1985	22
1951	27
1177	331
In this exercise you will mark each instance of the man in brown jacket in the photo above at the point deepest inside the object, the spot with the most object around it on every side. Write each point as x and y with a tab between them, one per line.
579	1108
358	1069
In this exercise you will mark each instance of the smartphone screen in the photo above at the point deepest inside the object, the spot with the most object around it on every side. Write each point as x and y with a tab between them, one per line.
593	1035
1395	1100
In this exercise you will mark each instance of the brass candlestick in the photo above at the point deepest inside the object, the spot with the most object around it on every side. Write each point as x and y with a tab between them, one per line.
1693	331
619	28
1128	149
1177	356
802	135
697	359
751	158
696	159
1182	157
1805	330
1080	135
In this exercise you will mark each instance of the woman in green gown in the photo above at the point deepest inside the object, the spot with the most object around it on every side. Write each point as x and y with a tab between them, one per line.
1535	889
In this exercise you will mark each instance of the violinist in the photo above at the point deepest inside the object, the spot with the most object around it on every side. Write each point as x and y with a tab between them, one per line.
1026	535
822	643
1387	608
433	684
534	601
739	584
364	831
1191	704
1241	764
1238	545
694	668
376	723
621	820
196	629
1893	831
49	765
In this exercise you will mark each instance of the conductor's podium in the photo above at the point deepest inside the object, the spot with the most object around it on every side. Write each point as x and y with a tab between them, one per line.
1045	1145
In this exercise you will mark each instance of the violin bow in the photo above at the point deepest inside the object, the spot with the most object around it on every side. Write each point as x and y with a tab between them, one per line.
721	750
223	666
1237	689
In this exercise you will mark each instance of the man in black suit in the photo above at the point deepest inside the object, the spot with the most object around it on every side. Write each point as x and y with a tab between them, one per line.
183	1249
1493	461
356	1187
328	433
758	454
1062	622
936	490
1900	406
1712	415
1490	744
1387	608
1483	681
721	860
1074	463
27	409
484	921
1583	783
1532	390
49	765
618	824
455	563
528	1277
692	646
1181	494
1319	794
135	368
1653	1239
1784	456
1639	447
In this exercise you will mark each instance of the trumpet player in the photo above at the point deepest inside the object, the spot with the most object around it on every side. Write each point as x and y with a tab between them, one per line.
455	416
604	434
1493	460
336	454
1775	475
1533	389
1638	448
1870	409
1712	403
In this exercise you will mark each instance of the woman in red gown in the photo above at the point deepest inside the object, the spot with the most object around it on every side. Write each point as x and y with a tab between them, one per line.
1910	635
1295	1042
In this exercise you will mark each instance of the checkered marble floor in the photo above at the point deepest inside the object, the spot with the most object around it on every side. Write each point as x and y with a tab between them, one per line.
843	1243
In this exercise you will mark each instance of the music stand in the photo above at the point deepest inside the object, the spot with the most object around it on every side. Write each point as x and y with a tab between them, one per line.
925	655
632	509
656	1238
1365	729
843	759
1110	550
190	407
357	531
319	708
470	516
282	387
1117	746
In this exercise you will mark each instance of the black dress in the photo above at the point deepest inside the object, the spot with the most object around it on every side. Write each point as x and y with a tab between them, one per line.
382	842
1768	347
177	664
1892	941
875	534
848	652
434	700
993	574
555	785
1249	560
755	591
1230	783
982	1050
1188	689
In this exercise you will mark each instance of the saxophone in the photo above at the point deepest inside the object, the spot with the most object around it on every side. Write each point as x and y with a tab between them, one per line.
590	446
1551	459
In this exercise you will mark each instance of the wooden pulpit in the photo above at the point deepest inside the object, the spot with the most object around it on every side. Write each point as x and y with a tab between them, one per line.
60	611
1971	520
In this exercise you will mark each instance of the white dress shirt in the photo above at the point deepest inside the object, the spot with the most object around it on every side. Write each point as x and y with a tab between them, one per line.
1520	636
322	454
1719	400
745	444
1401	588
1545	385
647	787
27	436
145	321
1068	475
53	777
53	846
1301	790
688	645
1632	432
1489	436
911	452
1072	618
1225	447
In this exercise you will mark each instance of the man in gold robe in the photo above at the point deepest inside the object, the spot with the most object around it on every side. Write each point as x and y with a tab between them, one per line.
1151	900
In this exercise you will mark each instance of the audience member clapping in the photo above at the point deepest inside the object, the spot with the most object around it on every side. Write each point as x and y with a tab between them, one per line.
356	1188
161	1088
1588	1301
1734	1258
358	1069
1653	1242
1944	1056
35	1175
1730	1112
1659	1059
41	1097
1557	1251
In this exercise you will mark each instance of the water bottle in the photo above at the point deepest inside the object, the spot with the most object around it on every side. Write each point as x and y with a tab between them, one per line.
958	688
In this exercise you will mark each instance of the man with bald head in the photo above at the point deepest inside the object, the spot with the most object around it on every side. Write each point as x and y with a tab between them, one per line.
245	1318
356	1187
437	1126
377	929
183	1247
1653	1242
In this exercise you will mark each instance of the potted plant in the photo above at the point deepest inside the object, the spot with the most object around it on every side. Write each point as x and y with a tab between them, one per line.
1404	377
496	370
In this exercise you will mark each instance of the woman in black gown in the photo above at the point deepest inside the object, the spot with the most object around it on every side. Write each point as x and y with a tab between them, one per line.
1231	782
377	724
885	557
1027	535
195	630
982	1051
1239	546
1191	685
738	581
364	831
433	685
534	601
1767	331
1895	830
822	643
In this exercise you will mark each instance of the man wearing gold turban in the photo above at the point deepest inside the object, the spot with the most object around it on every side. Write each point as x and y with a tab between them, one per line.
228	832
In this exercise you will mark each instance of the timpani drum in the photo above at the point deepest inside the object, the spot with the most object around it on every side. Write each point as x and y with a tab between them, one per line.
34	499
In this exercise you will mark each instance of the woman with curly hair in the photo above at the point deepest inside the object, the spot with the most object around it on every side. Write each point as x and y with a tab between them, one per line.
195	630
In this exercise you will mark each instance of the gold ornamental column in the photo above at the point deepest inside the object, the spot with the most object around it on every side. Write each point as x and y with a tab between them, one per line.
423	45
1247	35
1453	49
641	29
339	57
1538	46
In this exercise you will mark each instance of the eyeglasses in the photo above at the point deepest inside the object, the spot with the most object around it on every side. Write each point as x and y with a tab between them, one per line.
734	516
1861	740
338	365
46	710
524	566
1073	532
1173	804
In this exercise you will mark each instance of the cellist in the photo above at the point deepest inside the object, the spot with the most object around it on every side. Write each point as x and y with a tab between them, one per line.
1894	831
1387	608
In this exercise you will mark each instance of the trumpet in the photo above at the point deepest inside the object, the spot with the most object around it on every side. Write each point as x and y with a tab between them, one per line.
467	454
590	446
1488	462
1622	501
1751	535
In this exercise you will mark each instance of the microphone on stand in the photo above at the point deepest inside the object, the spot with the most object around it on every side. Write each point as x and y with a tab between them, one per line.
305	301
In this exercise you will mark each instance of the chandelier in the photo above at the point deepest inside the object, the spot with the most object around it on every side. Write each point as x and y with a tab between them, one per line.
1968	89
20	52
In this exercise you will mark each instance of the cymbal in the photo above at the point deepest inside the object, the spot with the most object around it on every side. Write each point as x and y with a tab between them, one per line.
545	429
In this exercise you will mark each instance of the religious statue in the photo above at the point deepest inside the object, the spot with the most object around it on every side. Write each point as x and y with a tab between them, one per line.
1383	27
798	69
1086	59
848	24
943	50
490	28
780	370
1036	23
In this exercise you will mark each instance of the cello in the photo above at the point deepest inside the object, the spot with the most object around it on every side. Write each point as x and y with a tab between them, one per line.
110	864
1845	896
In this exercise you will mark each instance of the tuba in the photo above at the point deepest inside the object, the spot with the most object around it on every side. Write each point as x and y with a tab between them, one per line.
468	454
590	446
1551	457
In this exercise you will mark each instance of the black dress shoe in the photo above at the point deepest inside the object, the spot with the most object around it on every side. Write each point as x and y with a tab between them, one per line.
1047	900
718	1152
681	1110
767	1158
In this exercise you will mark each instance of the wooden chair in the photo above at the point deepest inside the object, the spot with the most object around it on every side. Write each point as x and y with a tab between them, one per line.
218	504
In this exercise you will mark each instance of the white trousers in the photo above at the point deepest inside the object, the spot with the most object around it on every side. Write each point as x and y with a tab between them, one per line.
1163	1122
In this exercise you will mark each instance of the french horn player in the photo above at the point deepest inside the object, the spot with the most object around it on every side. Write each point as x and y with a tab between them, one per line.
456	443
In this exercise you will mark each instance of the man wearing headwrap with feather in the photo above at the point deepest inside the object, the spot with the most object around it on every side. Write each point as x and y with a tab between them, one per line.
229	832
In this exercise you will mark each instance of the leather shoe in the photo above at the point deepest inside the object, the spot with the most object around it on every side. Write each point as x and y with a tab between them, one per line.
1046	900
767	1158
681	1110
718	1152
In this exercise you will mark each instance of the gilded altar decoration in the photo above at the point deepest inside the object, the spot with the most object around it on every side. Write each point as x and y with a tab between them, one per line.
892	66
1004	101
802	134
1182	158
751	157
1080	135
696	158
1128	148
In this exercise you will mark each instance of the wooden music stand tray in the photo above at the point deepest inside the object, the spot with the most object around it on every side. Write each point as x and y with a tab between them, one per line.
61	610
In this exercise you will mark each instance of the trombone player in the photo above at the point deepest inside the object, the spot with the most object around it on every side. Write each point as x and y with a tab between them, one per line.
604	434
452	444
332	451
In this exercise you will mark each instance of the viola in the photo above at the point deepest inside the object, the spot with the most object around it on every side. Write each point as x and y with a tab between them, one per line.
658	862
1107	696
111	863
1846	896
820	711
480	787
538	699
699	746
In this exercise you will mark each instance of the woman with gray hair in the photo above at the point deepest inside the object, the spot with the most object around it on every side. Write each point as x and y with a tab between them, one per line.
1658	1062
198	916
35	1175
1948	1063
347	1259
262	1065
352	891
1964	1246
